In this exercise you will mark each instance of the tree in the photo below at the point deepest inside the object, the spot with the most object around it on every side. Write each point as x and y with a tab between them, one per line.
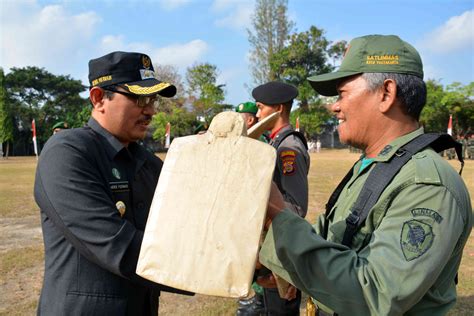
305	55
182	123
6	119
459	100
34	93
455	100
168	73
337	51
313	121
270	31
204	93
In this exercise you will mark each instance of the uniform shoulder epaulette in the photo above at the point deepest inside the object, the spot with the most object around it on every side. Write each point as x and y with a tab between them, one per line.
425	169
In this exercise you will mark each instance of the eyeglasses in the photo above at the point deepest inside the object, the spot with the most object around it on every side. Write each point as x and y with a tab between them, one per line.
142	101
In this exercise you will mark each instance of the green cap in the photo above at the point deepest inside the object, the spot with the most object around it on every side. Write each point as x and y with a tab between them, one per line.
62	125
247	107
371	53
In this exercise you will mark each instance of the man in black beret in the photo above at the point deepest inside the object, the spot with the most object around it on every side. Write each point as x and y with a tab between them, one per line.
290	174
94	186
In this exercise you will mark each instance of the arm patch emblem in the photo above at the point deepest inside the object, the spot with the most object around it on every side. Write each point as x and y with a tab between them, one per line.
288	160
416	239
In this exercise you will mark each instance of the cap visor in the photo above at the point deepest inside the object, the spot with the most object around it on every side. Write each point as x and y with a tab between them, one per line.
150	87
326	84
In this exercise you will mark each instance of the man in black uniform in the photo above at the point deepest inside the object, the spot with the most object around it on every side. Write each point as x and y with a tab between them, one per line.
290	174
94	186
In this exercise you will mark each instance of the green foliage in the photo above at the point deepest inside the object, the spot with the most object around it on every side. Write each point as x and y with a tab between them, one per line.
305	55
34	93
182	123
454	99
6	118
337	50
313	120
204	93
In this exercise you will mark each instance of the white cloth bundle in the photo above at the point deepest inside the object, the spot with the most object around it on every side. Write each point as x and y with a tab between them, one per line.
204	226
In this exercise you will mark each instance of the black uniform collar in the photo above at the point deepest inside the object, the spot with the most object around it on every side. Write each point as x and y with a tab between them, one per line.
113	146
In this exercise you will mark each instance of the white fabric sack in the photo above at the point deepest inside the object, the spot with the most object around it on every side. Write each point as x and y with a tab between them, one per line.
204	226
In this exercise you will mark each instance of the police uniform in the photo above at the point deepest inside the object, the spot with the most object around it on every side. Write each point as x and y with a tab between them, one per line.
94	194
405	256
291	171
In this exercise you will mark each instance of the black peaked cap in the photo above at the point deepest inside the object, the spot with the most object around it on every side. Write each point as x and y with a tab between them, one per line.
274	92
134	71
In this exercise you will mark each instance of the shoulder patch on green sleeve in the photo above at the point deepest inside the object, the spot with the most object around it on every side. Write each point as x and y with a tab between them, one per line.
425	169
416	238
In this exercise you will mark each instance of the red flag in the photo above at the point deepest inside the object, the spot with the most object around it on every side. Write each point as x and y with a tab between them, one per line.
297	127
450	125
168	135
33	128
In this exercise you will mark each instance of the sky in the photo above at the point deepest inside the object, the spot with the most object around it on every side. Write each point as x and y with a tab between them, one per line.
63	35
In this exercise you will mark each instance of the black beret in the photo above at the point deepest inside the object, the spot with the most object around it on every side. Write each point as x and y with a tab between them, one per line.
274	92
134	71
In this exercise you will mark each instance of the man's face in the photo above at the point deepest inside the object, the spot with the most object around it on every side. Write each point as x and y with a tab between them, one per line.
249	119
356	112
125	119
265	111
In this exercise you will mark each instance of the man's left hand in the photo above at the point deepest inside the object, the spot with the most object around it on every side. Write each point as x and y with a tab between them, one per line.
275	204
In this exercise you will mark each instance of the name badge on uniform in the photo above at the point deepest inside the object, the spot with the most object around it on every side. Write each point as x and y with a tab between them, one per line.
119	186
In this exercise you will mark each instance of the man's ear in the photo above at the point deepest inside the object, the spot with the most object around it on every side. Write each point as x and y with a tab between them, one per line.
96	95
389	95
281	108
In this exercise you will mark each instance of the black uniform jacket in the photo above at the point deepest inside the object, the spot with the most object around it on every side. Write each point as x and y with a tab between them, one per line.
91	251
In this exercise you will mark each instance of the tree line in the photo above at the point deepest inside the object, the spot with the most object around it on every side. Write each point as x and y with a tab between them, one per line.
277	53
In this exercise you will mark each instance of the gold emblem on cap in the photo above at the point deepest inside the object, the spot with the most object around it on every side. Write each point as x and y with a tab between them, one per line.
121	208
146	61
241	106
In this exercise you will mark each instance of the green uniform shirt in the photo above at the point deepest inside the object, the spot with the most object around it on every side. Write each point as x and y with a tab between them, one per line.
405	257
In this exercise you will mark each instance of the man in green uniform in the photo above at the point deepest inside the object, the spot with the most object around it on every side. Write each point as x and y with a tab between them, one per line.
405	257
59	126
249	110
253	306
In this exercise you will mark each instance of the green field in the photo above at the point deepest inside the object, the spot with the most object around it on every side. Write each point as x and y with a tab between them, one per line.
21	249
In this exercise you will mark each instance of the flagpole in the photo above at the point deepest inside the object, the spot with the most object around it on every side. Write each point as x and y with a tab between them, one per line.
35	145
168	135
450	125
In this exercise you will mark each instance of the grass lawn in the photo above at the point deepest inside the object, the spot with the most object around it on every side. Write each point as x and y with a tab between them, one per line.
21	249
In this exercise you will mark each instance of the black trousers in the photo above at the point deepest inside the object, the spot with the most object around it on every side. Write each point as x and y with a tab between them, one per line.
277	306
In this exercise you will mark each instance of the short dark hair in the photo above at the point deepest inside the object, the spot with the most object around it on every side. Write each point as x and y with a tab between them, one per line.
411	90
287	106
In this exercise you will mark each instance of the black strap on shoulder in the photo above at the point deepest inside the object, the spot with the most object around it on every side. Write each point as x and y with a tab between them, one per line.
287	133
334	196
382	174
